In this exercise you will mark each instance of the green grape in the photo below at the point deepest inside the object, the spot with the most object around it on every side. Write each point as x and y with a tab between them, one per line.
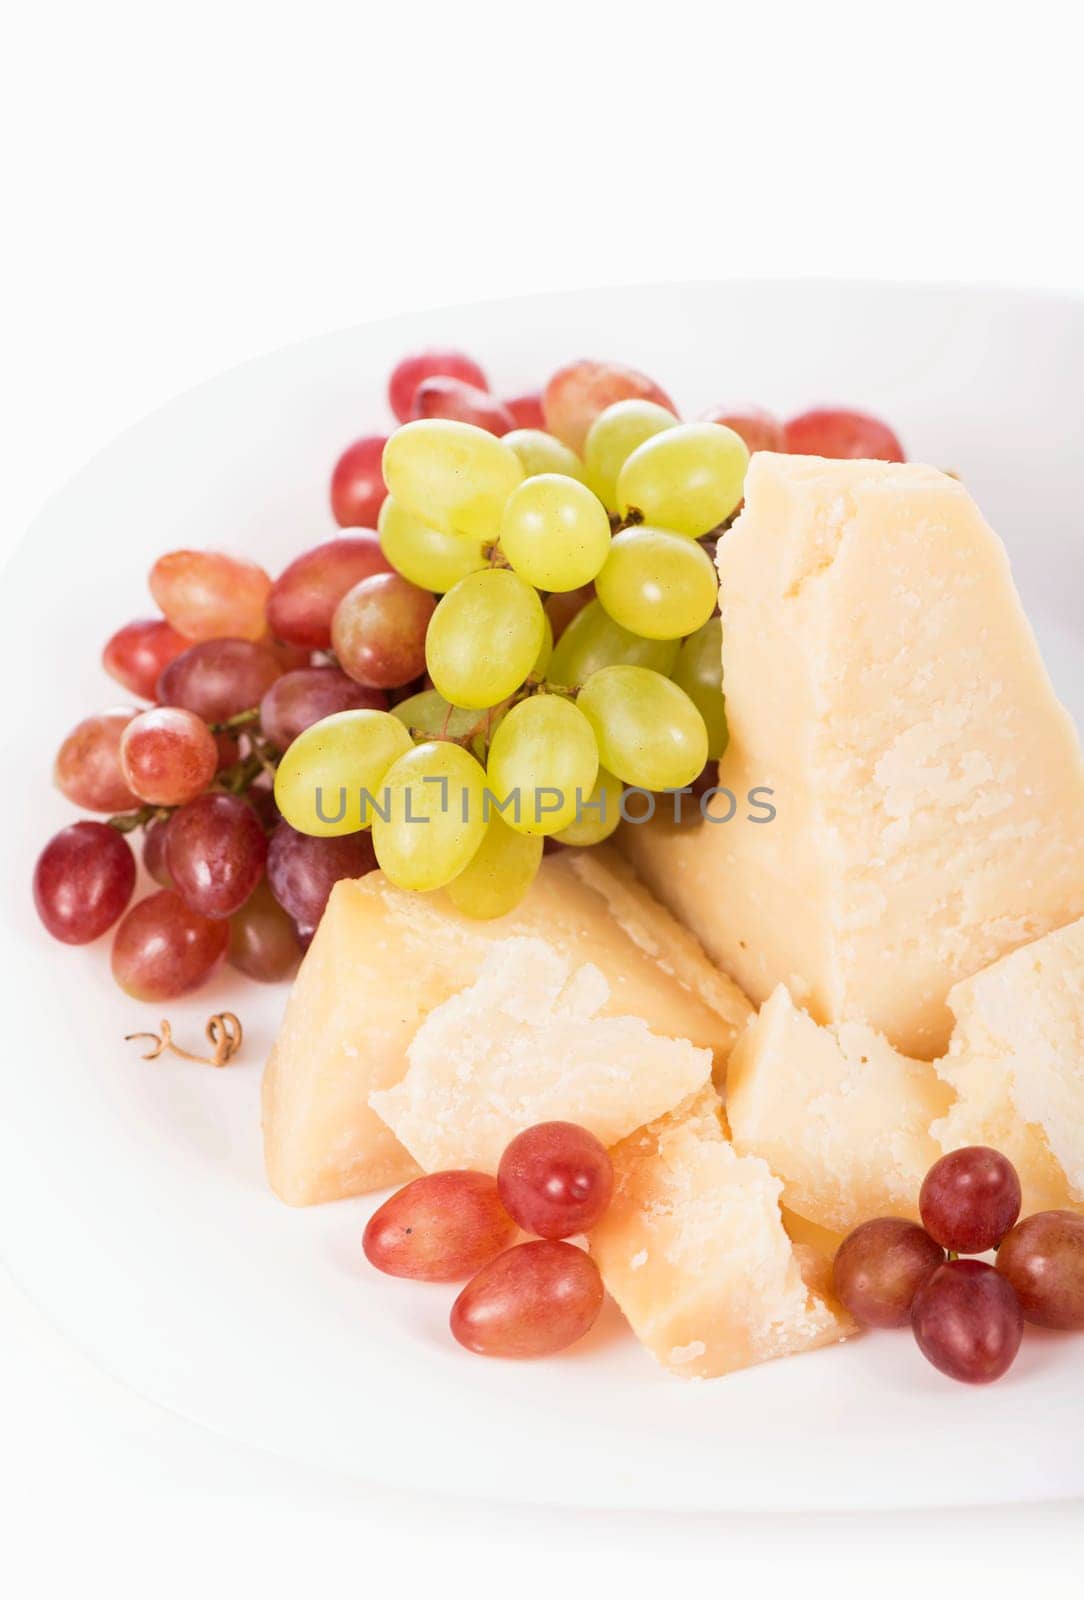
592	640
657	584
501	871
539	451
455	477
429	714
699	672
688	479
321	778
555	532
484	638
431	817
427	557
599	814
648	730
542	763
614	435
545	655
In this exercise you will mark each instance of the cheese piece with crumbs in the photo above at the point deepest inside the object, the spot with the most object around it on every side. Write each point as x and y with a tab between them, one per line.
384	958
883	682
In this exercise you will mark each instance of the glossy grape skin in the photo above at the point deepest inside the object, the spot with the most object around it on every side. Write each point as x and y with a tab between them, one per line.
499	874
320	779
687	479
454	477
305	595
263	940
555	532
162	949
841	435
545	742
555	1179
429	714
461	402
218	678
599	814
207	595
649	732
1043	1259
577	393
445	784
526	410
137	653
484	638
880	1267
535	1299
154	852
440	1227
425	556
614	435
593	640
759	429
168	755
303	870
967	1321
414	370
378	631
83	880
215	851
540	452
658	585
970	1199
699	671
87	769
357	483
298	699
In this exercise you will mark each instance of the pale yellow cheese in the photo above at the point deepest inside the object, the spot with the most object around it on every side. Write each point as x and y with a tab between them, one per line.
383	958
694	1251
842	1118
883	681
527	1043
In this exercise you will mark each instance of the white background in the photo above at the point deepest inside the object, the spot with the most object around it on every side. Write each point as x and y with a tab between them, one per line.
187	186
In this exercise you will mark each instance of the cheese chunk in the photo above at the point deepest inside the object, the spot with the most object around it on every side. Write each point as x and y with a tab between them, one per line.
883	682
694	1251
525	1044
383	958
842	1118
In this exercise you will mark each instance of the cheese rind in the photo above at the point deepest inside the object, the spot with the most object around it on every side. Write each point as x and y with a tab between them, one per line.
883	682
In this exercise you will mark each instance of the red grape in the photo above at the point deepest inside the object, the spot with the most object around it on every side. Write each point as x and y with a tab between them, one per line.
163	949
461	402
206	595
841	435
215	853
301	698
577	393
879	1268
413	370
87	768
219	678
967	1321
759	429
154	852
83	880
526	410
1043	1259
533	1300
378	631
168	755
290	657
263	942
970	1199
556	1179
304	597
302	869
137	653
443	1226
357	483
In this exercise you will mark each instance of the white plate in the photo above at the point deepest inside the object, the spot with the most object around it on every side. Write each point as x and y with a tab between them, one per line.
133	1204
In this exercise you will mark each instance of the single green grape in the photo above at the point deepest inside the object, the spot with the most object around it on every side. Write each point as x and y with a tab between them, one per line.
453	476
688	479
541	452
555	532
431	815
484	638
599	814
593	640
699	671
425	556
657	584
500	872
543	763
613	436
323	777
649	732
429	714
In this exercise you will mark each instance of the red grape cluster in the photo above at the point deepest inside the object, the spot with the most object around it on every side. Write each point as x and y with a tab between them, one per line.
555	1180
967	1315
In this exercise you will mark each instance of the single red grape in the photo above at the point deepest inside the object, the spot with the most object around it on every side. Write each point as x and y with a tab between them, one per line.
444	1226
378	630
207	595
168	755
137	653
304	597
263	942
87	770
163	949
218	678
533	1300
841	435
577	393
301	698
556	1179
970	1199
1043	1259
461	402
215	853
83	880
526	410
413	370
967	1321
759	429
154	852
302	869
879	1268
357	483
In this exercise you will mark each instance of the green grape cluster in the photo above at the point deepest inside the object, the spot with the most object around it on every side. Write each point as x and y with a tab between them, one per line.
521	738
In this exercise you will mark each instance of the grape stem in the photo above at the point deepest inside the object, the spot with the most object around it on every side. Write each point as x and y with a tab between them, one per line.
240	719
129	821
224	1033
